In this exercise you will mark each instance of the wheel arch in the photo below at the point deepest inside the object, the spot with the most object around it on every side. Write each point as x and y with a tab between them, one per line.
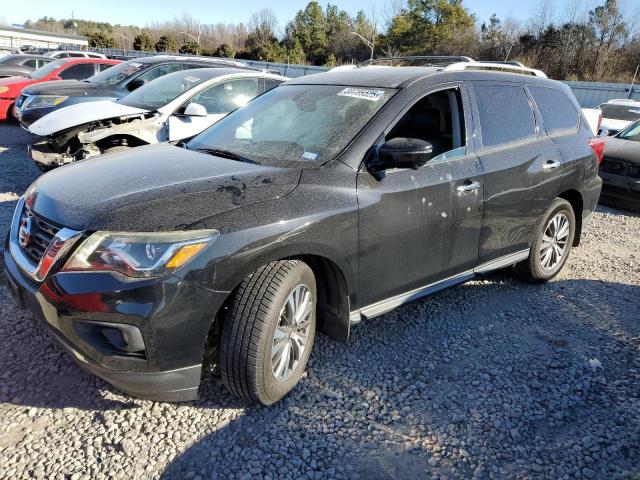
577	203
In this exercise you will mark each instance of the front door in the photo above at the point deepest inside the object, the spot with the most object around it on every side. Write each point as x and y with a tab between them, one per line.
417	227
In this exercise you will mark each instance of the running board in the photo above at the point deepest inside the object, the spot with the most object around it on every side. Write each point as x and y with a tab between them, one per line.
389	304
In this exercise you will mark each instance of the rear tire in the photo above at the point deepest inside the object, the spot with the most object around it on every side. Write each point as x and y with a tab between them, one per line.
266	339
551	245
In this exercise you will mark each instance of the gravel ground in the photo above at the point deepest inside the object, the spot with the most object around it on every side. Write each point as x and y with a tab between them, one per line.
492	379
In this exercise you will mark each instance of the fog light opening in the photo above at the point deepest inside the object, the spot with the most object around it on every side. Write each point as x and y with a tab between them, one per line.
112	339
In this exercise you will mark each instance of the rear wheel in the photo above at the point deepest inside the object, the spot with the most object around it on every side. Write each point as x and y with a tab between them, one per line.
269	332
551	243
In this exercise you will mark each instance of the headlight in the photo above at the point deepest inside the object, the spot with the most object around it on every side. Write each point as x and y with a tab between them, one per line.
139	255
4	89
42	101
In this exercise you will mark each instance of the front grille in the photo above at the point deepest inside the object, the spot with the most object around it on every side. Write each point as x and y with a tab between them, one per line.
622	168
40	236
21	100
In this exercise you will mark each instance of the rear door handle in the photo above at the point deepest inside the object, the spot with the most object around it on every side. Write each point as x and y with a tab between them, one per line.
468	187
550	165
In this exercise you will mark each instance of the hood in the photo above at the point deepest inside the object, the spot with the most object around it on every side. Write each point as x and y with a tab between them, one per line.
154	188
79	114
75	88
15	84
627	150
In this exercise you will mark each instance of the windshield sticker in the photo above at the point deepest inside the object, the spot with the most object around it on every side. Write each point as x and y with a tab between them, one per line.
363	93
309	155
135	64
192	79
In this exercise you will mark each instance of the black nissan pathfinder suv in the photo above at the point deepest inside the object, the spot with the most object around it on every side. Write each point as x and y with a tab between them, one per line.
331	199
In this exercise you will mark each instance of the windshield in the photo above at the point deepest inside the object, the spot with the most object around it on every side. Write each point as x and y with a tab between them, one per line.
632	132
295	123
117	73
46	70
620	112
161	91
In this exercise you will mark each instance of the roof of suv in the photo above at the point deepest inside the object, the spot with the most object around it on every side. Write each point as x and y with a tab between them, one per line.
395	77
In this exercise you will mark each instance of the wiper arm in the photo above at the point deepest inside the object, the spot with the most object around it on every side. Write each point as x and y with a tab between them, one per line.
224	154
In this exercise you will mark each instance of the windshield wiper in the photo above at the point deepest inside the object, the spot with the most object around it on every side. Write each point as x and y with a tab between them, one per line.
225	154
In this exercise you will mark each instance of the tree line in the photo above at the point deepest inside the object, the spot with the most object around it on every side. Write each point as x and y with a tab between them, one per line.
601	43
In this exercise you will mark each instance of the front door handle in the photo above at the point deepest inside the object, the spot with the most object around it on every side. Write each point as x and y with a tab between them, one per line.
468	188
550	165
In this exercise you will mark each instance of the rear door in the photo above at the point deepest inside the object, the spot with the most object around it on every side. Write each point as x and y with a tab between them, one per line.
522	168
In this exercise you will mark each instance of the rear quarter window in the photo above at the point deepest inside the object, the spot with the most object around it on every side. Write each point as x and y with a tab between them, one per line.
558	112
505	114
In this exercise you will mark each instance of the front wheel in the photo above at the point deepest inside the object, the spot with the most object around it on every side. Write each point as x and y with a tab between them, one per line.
269	332
551	243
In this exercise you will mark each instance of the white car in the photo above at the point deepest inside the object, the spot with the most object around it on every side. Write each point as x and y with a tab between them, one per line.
173	107
618	114
74	53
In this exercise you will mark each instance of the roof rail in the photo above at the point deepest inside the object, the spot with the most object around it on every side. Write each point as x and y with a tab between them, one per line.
420	60
500	66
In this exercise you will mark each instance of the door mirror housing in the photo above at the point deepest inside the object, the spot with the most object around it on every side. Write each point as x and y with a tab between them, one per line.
404	153
195	110
135	83
56	77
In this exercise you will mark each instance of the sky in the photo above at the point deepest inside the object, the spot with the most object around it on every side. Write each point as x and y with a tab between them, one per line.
140	12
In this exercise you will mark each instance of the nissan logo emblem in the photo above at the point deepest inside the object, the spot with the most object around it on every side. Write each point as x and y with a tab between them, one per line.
24	234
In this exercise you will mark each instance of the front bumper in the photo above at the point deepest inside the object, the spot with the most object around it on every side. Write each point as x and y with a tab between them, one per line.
45	158
620	192
30	115
173	315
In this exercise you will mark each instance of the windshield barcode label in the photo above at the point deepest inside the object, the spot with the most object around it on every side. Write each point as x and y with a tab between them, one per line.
363	93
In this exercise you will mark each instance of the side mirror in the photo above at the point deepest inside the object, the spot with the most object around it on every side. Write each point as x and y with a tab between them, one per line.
55	78
135	83
404	153
195	110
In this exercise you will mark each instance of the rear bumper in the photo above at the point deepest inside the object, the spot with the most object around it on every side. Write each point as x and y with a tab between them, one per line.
620	192
174	317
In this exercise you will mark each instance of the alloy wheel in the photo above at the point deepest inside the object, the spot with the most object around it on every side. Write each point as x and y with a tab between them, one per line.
291	335
554	241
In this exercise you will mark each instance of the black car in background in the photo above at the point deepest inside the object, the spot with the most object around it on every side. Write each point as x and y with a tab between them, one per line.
620	169
37	101
21	65
328	200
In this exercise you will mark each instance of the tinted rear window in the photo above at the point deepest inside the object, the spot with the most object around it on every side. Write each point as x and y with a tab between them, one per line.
505	114
558	113
620	112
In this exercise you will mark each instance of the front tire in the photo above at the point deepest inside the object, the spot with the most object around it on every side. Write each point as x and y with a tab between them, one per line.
269	332
551	245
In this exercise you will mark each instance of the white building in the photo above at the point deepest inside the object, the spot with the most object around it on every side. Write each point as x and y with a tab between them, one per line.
12	38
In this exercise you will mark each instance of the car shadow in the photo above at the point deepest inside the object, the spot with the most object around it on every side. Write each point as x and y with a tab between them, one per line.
362	404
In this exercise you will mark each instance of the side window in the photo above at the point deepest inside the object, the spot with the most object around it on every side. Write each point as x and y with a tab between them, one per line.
558	112
30	63
505	114
269	83
76	55
226	97
104	66
438	119
79	71
159	71
42	63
